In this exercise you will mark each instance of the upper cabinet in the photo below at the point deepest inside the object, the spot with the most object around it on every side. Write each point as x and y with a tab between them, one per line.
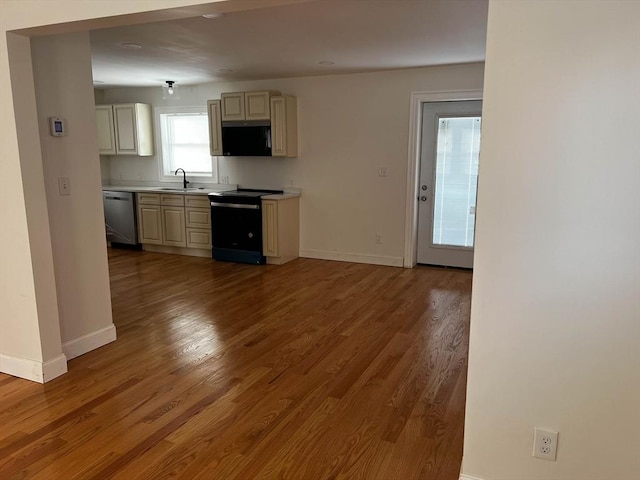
284	126
279	112
246	105
106	131
215	129
125	129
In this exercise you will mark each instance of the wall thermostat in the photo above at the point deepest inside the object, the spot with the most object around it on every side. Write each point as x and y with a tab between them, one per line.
57	127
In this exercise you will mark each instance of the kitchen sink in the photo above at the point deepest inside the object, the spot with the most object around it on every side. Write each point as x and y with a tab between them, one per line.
167	189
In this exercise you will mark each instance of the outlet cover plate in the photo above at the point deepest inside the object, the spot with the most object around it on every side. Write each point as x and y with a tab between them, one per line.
545	444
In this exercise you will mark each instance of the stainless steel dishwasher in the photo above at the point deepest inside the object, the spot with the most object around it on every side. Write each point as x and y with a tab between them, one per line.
120	217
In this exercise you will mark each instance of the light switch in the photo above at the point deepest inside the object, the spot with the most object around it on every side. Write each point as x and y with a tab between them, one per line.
64	187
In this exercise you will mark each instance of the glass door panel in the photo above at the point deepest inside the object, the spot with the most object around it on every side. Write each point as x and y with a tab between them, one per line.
456	181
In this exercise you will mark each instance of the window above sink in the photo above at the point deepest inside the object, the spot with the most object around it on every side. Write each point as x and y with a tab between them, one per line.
183	138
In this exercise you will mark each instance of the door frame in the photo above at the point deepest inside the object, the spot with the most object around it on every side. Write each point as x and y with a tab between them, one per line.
413	162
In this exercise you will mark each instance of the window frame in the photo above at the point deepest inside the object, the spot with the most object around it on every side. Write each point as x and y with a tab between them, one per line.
162	175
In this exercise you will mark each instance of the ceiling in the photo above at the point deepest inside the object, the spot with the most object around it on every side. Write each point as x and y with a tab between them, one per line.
290	40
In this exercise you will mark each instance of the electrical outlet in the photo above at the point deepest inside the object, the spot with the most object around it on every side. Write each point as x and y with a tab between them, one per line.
378	238
545	444
64	186
225	179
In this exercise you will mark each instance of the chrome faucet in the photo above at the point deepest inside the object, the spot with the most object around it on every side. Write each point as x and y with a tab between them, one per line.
184	179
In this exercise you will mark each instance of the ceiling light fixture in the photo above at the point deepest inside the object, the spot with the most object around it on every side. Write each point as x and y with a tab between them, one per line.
213	15
170	90
326	62
131	46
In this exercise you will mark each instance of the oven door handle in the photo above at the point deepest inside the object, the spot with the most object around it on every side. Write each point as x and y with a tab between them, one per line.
235	205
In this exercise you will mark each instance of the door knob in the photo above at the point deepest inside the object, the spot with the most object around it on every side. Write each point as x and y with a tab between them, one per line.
423	187
423	198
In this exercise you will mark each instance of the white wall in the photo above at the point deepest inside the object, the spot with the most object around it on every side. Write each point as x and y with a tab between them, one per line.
555	323
349	125
62	73
29	326
30	343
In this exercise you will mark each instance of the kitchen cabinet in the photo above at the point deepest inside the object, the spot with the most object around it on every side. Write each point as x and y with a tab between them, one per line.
149	224
125	129
246	105
280	110
106	130
198	221
284	126
281	229
173	220
149	218
215	128
173	227
180	222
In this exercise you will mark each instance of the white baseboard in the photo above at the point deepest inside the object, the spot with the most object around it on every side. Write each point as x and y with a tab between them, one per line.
353	257
33	370
81	345
469	477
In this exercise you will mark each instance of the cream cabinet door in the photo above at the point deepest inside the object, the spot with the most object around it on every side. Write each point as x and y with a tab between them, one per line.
198	238
232	106
150	224
125	120
284	126
257	106
270	228
215	127
173	226
134	129
281	229
106	132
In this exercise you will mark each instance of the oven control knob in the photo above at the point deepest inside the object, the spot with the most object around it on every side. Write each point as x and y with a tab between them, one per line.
250	235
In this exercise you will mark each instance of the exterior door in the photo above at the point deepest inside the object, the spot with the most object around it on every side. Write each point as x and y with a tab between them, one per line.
448	182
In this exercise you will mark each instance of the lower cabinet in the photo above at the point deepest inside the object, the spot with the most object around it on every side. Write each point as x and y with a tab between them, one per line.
281	230
198	222
176	221
173	227
150	224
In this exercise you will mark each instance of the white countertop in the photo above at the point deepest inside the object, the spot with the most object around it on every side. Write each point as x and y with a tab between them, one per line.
289	192
180	191
281	196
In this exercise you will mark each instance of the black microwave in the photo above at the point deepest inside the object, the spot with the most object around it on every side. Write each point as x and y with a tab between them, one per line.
251	138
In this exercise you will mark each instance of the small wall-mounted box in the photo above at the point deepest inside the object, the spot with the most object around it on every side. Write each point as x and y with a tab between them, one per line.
57	127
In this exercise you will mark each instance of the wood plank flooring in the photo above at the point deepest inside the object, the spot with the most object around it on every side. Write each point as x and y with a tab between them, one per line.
312	370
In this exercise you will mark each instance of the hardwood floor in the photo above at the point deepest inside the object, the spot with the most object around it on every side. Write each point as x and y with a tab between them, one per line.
310	370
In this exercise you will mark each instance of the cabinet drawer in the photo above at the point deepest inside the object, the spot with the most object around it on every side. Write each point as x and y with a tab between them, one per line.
198	238
173	200
148	199
196	201
198	217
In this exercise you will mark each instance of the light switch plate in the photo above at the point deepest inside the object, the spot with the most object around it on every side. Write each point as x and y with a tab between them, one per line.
64	186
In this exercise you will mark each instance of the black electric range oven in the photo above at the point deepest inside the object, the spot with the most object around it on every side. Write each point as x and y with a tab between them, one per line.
236	225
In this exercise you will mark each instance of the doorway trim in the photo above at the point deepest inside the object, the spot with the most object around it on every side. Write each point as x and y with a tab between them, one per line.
413	160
